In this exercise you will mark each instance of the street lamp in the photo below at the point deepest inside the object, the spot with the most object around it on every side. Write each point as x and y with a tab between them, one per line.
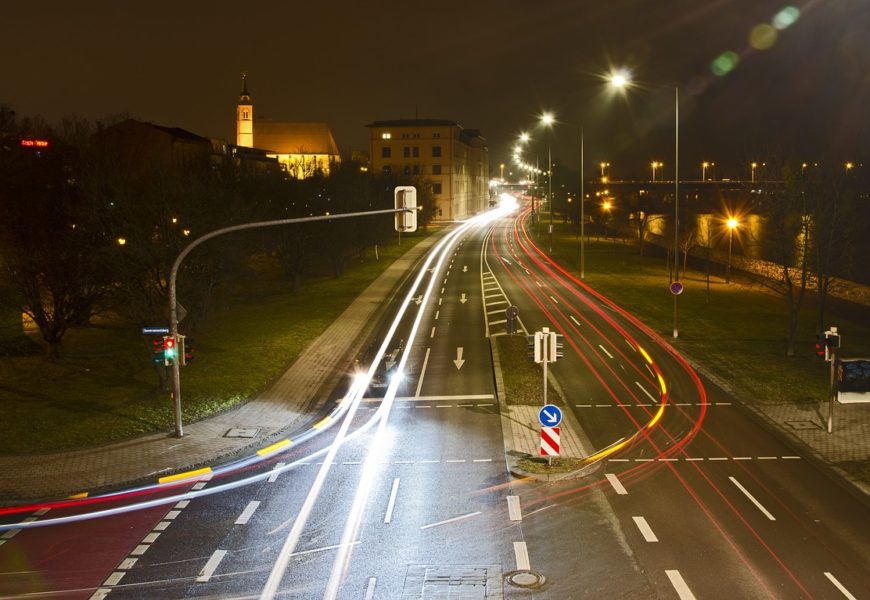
620	80
547	120
704	166
605	208
732	225
753	165
604	165
655	164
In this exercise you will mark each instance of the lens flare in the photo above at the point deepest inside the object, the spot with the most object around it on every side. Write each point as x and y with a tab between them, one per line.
762	37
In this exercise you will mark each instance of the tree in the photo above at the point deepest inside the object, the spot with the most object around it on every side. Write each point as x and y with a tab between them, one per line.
783	207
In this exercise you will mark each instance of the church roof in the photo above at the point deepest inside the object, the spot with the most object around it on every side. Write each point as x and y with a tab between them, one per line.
295	138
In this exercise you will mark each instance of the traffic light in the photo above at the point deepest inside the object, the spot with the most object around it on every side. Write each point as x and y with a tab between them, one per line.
533	347
405	196
157	350
170	350
185	349
557	346
821	347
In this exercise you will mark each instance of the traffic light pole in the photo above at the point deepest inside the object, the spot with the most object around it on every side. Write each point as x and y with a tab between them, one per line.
173	276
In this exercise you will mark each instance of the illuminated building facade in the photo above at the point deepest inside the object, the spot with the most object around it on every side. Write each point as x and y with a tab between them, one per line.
455	161
302	149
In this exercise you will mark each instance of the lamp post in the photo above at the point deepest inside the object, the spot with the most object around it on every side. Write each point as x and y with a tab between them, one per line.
655	164
582	213
704	166
605	209
547	120
732	225
620	80
604	165
753	165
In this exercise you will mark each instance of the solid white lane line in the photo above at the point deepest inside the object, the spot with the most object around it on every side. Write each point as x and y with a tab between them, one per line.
617	485
522	554
839	586
576	322
370	590
114	578
273	476
248	512
515	512
645	530
422	373
643	389
453	520
603	349
679	584
754	501
392	502
211	566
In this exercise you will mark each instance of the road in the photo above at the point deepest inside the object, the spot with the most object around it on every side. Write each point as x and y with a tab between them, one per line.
700	501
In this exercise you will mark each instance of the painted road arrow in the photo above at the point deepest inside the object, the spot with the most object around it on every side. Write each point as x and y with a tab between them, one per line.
459	362
464	268
418	300
462	298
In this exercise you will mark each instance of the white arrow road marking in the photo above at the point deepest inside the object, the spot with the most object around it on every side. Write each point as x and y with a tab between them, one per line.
754	501
459	362
418	300
464	269
462	298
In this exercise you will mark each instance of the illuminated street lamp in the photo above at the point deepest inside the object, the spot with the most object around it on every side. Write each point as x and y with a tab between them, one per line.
655	165
754	166
704	166
620	80
547	120
604	165
850	166
732	225
501	168
605	208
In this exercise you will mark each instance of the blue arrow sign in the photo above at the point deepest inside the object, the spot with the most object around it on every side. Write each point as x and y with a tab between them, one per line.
550	415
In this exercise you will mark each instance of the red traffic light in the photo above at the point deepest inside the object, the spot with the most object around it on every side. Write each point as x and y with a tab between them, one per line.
168	343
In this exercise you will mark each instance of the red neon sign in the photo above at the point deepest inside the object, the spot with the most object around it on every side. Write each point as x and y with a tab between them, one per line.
33	143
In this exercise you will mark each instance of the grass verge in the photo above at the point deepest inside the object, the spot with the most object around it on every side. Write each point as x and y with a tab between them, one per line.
104	388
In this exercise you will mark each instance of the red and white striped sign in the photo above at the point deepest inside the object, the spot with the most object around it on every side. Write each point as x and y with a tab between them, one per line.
550	441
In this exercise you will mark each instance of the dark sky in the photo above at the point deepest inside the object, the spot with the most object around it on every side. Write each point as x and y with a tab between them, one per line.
488	65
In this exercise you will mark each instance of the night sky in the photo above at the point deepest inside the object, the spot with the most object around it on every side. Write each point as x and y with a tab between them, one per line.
488	65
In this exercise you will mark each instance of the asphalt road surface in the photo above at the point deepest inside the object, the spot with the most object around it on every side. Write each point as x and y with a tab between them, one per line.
690	498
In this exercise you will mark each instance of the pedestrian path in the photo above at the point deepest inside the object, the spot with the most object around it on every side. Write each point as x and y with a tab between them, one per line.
286	406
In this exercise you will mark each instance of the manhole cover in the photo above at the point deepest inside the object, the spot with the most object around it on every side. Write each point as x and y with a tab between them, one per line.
803	424
242	432
526	579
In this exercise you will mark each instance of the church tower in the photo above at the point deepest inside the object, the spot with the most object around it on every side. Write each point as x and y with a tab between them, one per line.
245	117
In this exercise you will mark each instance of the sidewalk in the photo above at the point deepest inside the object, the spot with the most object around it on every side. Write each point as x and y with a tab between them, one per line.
285	407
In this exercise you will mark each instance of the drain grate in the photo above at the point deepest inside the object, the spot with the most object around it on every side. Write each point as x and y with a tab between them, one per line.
242	432
426	582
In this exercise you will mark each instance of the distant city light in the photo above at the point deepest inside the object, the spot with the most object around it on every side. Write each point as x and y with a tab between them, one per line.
786	17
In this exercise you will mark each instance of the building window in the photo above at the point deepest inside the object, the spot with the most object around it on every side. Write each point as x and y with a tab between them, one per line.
387	169
386	152
416	169
436	151
407	151
416	151
406	170
244	114
436	135
436	169
436	188
386	136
